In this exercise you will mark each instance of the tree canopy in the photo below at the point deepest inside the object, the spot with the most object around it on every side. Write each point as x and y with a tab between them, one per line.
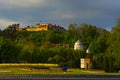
48	46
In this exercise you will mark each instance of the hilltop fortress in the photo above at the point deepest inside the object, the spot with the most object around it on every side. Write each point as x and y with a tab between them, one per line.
42	27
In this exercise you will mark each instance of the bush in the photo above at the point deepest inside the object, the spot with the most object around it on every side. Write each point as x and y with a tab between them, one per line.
109	65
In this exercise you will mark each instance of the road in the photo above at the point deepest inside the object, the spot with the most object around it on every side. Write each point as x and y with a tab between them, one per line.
58	77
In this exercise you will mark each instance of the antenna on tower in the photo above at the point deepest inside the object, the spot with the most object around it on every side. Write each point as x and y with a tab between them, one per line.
40	20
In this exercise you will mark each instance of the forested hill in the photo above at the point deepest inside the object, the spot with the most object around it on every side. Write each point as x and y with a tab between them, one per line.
39	46
86	34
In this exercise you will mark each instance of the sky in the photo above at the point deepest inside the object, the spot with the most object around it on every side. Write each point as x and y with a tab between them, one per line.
101	13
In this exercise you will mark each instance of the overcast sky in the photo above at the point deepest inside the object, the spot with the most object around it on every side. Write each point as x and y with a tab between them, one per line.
102	13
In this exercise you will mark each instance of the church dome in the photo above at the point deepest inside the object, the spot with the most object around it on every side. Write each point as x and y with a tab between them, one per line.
88	50
78	45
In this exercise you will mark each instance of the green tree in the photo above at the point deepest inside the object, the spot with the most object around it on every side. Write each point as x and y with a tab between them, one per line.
97	61
114	47
72	28
100	45
7	51
108	64
88	33
51	37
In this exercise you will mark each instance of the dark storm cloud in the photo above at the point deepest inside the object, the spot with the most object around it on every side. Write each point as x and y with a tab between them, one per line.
62	12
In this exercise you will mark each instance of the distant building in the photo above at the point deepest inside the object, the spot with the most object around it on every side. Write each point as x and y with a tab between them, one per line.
78	45
88	51
61	45
85	63
43	27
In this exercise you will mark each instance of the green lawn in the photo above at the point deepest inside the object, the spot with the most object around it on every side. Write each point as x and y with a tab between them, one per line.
70	71
45	69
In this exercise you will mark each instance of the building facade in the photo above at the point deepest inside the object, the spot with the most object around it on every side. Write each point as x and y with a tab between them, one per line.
43	27
78	45
85	63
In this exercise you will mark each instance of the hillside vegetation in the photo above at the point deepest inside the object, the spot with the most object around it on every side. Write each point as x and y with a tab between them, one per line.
37	47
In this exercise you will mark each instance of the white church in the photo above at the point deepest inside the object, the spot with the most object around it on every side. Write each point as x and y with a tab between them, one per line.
78	45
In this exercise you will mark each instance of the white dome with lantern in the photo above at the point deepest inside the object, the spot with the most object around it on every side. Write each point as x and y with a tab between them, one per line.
78	45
